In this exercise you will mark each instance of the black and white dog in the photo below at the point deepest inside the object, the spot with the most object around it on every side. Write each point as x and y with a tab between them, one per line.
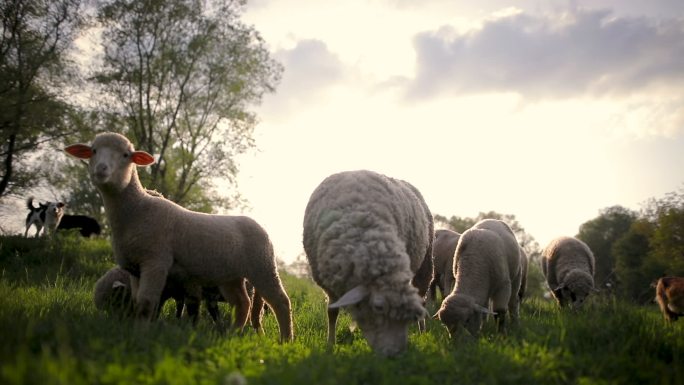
46	215
85	225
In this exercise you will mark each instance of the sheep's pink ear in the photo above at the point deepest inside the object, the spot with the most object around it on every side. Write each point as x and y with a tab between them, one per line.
351	297
81	151
141	158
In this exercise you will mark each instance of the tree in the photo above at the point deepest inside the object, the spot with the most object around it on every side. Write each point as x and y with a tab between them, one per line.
179	76
600	234
37	36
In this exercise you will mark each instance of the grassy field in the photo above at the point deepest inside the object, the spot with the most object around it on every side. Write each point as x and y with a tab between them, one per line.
51	333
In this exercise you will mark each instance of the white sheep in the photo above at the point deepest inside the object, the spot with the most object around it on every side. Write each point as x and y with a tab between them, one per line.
365	236
154	238
443	250
568	265
487	268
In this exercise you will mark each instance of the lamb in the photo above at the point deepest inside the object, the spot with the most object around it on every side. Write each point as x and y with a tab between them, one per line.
487	268
155	239
670	297
366	236
443	250
568	266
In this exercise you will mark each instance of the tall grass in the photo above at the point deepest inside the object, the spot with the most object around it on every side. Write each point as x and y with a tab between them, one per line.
51	333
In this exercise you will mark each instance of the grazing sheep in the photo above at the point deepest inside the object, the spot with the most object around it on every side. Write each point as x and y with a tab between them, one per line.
670	297
86	225
487	268
155	239
568	265
443	250
524	267
366	236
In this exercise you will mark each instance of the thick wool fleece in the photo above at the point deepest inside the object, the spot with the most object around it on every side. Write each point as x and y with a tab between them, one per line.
568	262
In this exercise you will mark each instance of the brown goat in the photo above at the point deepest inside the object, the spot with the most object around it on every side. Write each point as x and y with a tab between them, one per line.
670	297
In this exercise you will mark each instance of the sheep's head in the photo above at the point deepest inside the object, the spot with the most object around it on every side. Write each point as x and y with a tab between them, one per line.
383	315
576	287
112	160
461	315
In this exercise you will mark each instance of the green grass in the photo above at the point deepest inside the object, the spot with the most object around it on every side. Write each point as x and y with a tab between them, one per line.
51	333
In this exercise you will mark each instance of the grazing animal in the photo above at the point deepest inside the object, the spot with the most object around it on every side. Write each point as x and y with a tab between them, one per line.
155	239
366	237
670	297
46	215
443	250
86	225
487	268
568	265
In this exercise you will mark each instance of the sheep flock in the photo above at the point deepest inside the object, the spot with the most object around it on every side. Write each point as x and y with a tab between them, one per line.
370	242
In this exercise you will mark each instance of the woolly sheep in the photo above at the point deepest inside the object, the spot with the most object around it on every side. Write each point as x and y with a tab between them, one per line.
154	238
568	265
524	267
443	250
365	236
670	297
487	268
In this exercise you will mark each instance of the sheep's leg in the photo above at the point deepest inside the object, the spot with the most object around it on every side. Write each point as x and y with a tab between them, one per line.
271	290
257	312
235	293
151	285
332	325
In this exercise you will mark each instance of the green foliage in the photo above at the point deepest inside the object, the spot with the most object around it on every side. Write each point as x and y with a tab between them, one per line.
52	334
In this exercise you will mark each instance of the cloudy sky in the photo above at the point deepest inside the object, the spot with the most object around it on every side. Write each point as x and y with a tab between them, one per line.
548	110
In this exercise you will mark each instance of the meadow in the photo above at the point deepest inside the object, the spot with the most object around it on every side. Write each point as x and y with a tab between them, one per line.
51	333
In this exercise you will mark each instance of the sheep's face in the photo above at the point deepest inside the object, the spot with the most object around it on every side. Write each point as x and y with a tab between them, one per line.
461	315
384	315
112	160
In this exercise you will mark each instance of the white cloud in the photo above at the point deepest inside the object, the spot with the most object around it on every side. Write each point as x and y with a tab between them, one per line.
583	52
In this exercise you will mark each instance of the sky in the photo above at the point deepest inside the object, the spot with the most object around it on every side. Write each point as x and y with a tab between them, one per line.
547	110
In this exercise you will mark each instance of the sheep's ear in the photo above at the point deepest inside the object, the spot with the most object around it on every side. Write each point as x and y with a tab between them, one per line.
141	158
351	297
81	151
484	310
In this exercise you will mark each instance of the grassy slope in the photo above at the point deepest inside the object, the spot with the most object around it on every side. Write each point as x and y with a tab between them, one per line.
50	333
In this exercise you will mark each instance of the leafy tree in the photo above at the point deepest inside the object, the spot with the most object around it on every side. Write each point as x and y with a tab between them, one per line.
179	76
37	36
600	234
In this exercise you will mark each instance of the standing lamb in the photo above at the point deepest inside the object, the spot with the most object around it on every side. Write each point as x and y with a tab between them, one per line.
443	250
487	268
568	265
155	239
670	297
366	236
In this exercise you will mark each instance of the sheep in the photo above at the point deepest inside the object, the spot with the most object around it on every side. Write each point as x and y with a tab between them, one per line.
487	268
568	266
443	250
366	236
155	239
670	297
524	266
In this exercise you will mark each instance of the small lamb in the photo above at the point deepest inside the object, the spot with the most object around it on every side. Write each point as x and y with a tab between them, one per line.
568	265
366	236
155	239
443	250
487	268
